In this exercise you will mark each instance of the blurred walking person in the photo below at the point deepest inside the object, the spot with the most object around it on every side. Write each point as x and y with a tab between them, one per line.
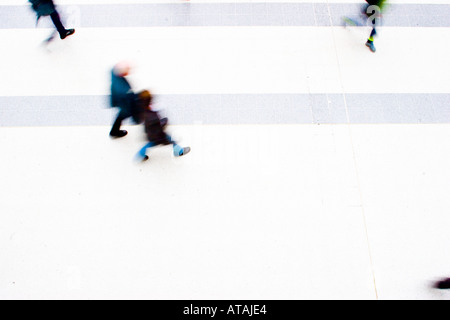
155	130
123	97
373	10
45	8
371	15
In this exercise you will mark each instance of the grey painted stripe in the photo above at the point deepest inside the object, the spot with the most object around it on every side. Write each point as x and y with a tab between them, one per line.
225	14
235	109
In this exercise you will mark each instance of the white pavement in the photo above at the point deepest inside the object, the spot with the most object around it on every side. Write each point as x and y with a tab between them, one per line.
339	211
254	212
205	60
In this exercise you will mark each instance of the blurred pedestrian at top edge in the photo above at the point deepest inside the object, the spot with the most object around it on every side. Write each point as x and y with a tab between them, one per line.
45	8
373	10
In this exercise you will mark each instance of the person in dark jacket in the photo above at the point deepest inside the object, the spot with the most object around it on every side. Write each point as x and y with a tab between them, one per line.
123	97
154	128
45	8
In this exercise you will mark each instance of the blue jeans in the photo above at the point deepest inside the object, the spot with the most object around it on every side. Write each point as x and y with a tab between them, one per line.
143	152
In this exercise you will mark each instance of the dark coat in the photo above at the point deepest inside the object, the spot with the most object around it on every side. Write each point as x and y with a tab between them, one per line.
121	93
154	128
43	7
123	97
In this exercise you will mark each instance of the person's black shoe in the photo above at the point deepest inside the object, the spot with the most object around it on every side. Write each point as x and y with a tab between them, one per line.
66	33
118	134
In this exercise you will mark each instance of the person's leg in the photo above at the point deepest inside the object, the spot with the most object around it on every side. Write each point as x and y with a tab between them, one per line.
63	32
372	13
369	42
57	22
115	130
142	154
374	18
177	150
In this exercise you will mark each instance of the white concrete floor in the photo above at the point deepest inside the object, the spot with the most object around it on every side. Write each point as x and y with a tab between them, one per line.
202	60
254	212
339	211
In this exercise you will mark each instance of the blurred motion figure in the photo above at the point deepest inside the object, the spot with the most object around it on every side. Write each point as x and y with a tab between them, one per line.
154	128
47	8
372	10
371	14
123	97
443	284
